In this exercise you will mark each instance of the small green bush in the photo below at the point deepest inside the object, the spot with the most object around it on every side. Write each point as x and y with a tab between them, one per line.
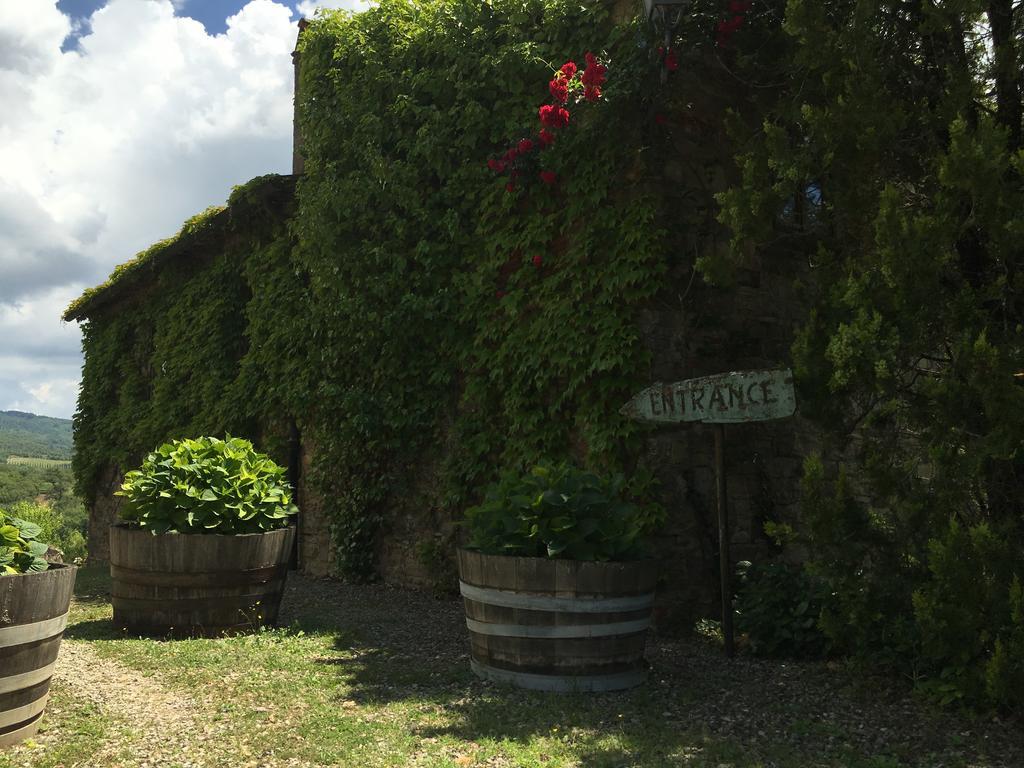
58	523
559	512
777	608
207	485
20	548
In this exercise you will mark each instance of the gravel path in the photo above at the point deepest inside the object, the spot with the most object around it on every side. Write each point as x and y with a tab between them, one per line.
152	726
820	710
397	645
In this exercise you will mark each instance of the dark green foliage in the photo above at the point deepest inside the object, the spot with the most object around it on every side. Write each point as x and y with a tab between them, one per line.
25	434
561	512
207	485
380	326
906	120
20	548
777	607
170	360
432	324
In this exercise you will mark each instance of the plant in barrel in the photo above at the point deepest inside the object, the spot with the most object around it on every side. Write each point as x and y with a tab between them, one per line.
205	540
35	594
558	595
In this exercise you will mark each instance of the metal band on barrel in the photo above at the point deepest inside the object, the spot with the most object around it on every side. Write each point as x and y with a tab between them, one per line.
505	599
23	714
26	679
564	631
30	633
19	734
560	683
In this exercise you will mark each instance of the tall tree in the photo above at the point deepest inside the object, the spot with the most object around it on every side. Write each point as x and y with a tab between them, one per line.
896	126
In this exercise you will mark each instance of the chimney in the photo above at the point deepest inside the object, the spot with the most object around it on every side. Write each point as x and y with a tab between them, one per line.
297	162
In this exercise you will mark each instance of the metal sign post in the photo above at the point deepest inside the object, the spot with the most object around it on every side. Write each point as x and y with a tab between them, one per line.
727	398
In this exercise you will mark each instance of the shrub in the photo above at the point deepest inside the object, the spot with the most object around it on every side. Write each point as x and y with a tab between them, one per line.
207	485
20	548
559	512
59	524
777	607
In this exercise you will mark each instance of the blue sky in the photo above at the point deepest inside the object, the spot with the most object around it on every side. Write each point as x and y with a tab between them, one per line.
212	14
119	120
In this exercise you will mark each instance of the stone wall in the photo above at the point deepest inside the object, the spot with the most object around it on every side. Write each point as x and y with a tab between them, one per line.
103	513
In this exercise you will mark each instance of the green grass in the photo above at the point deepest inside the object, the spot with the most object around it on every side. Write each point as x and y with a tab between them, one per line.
341	687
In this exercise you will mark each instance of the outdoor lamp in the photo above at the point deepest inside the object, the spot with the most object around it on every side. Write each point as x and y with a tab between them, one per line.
666	15
664	9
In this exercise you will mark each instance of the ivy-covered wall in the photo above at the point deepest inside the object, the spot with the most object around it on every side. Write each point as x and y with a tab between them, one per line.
173	344
424	326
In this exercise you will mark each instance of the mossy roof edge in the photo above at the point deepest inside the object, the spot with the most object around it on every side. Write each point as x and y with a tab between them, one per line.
198	235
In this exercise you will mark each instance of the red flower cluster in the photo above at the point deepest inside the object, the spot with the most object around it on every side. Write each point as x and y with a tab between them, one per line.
593	78
553	116
567	81
728	27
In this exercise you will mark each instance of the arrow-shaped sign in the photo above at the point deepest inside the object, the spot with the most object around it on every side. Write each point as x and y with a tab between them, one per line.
726	398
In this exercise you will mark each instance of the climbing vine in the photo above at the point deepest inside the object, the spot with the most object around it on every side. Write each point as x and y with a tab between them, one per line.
465	329
424	327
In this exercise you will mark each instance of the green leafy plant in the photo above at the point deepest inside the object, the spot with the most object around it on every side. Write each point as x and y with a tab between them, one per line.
62	525
560	512
777	608
207	485
20	548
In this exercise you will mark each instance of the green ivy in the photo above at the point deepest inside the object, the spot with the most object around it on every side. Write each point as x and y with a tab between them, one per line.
441	343
400	318
167	360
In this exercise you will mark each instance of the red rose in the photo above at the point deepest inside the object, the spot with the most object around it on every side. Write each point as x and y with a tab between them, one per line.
594	76
499	294
547	138
671	60
496	165
549	177
559	90
538	261
510	187
553	116
591	93
510	155
569	69
591	59
525	146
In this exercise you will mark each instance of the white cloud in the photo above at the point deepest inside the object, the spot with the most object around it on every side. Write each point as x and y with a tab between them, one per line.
39	358
307	8
109	147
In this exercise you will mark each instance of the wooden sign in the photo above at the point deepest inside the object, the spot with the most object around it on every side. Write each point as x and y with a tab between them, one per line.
726	398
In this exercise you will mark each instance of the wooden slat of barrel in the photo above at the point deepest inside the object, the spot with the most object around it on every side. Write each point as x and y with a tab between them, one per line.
33	614
197	584
557	625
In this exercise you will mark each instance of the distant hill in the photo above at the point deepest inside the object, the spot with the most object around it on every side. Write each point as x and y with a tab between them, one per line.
25	434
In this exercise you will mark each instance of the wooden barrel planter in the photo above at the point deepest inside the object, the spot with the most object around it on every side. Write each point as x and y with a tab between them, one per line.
33	614
197	585
557	625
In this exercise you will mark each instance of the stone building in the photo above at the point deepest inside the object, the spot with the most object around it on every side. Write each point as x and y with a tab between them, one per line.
691	330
